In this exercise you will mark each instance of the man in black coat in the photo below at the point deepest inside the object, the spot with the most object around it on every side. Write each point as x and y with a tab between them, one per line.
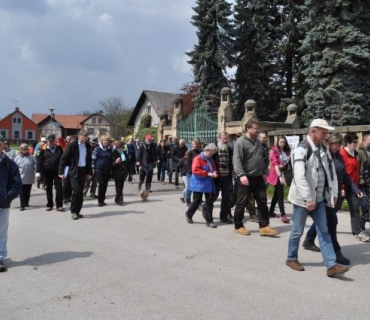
147	160
76	164
47	166
177	154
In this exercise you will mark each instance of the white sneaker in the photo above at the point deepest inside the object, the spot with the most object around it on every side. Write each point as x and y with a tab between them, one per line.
362	237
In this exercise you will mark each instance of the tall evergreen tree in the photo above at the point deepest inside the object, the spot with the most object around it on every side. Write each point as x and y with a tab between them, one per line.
256	43
210	56
336	59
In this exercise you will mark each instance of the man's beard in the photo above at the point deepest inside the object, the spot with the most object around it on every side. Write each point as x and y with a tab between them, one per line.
222	146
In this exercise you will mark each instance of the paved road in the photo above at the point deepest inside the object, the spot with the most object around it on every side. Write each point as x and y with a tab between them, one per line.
143	261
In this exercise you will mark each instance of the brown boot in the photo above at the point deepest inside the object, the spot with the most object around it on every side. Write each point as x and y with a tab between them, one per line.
336	269
267	231
295	265
243	231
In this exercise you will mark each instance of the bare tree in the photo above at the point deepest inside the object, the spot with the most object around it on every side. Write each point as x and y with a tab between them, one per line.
117	114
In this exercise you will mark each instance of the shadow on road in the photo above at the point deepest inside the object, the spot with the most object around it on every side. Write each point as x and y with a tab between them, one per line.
50	258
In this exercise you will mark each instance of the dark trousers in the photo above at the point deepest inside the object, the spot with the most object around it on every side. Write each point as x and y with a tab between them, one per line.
332	219
25	195
102	179
357	224
207	205
119	183
77	184
146	176
251	205
67	189
278	198
93	184
161	168
257	187
224	185
51	180
177	173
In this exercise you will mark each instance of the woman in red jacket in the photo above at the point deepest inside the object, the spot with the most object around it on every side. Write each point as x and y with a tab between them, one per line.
279	158
202	181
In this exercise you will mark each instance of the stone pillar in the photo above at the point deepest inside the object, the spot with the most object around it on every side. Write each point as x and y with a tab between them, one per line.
292	117
250	106
225	112
176	116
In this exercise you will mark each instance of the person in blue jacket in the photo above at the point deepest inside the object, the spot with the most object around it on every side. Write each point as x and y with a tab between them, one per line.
10	186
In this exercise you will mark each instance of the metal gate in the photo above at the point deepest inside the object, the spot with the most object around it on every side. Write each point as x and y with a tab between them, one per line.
200	124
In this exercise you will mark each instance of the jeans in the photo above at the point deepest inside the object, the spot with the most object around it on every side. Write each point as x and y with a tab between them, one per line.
188	191
257	187
332	219
4	223
169	170
319	217
186	186
161	168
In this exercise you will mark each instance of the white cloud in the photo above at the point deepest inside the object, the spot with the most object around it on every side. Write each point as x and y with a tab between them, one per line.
180	64
106	18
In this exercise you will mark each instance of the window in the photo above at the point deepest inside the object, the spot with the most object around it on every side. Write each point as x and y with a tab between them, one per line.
149	109
100	120
14	120
3	133
16	134
90	130
93	119
103	131
29	135
19	120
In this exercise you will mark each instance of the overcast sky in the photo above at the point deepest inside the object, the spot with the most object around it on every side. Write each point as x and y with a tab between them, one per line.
69	54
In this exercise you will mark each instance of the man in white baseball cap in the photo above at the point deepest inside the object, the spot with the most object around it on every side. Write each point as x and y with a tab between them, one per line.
314	186
321	123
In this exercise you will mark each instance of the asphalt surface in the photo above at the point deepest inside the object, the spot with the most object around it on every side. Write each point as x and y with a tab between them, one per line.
144	261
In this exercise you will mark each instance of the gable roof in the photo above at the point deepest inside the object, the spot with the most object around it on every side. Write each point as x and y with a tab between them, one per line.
67	121
17	111
161	102
94	115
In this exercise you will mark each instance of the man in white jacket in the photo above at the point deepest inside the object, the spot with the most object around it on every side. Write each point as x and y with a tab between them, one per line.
314	186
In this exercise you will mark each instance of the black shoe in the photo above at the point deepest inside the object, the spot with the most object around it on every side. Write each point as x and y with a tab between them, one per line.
2	267
79	215
100	204
227	221
211	225
93	196
310	246
188	219
119	203
148	190
27	205
22	209
230	216
342	259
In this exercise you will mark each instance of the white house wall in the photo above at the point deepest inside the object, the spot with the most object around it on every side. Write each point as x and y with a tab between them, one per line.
142	111
88	124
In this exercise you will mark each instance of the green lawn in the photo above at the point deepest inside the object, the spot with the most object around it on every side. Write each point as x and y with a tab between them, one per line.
270	193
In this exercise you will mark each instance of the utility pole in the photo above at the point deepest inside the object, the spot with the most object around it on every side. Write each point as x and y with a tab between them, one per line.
51	120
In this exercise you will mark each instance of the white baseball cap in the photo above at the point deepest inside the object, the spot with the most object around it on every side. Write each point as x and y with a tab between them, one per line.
321	123
43	139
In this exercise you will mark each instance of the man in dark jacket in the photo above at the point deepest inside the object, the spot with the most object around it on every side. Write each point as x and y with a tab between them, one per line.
10	186
224	164
47	166
76	164
177	154
147	159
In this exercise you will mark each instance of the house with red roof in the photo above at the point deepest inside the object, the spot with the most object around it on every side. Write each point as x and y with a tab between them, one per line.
16	127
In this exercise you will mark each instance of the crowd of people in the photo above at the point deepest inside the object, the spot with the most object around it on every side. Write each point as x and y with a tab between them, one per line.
325	173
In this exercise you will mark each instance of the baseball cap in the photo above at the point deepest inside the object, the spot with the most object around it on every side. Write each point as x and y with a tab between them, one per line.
43	139
148	137
321	123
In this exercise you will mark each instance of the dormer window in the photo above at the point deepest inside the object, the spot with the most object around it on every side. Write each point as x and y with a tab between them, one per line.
224	97
149	109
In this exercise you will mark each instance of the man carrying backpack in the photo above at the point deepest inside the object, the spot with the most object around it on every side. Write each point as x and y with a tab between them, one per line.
10	186
314	185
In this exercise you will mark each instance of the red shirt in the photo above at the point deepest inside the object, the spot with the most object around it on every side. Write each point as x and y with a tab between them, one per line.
352	165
